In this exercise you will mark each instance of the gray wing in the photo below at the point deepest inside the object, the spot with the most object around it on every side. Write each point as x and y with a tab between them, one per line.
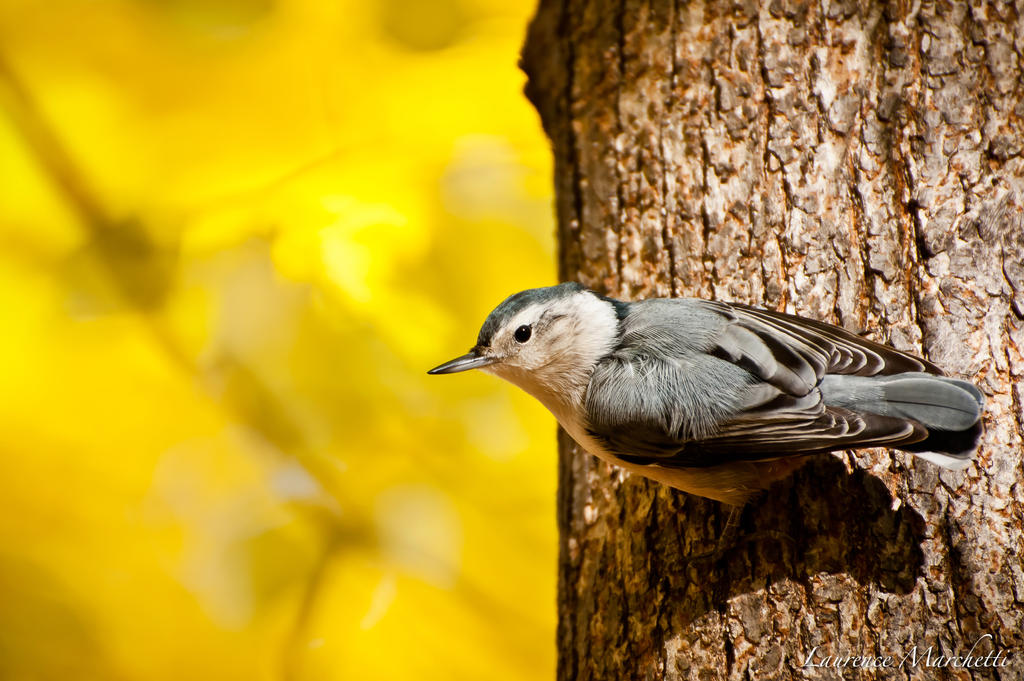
699	383
794	353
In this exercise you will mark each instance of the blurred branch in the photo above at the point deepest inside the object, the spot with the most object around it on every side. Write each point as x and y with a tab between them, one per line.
129	257
298	635
50	153
141	272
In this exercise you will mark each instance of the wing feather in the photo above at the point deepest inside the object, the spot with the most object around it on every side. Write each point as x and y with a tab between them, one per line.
826	348
642	416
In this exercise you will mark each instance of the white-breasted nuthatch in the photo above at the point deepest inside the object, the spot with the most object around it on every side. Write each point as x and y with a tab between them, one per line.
713	398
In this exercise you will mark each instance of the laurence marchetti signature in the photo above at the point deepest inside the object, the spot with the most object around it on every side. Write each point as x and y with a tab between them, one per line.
914	657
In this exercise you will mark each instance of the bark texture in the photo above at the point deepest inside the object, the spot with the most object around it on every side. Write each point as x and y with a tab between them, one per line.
855	161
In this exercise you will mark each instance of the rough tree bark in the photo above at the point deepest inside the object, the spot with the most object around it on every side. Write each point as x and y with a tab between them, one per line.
856	161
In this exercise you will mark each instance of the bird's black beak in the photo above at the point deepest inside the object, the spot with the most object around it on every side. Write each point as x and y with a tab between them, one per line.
471	360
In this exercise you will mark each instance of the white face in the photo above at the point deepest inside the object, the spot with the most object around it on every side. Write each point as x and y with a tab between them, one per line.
551	348
529	340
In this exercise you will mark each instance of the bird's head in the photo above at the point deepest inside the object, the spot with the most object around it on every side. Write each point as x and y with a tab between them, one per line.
544	340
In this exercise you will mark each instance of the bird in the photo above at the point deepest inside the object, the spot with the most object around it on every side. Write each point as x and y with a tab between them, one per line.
718	399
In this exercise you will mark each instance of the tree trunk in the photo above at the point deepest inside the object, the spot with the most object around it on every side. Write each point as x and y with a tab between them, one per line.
858	162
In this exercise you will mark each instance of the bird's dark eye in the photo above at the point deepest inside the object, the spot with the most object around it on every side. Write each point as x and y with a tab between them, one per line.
522	334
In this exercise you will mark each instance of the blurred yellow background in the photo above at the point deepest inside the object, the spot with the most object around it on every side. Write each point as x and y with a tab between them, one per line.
234	234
